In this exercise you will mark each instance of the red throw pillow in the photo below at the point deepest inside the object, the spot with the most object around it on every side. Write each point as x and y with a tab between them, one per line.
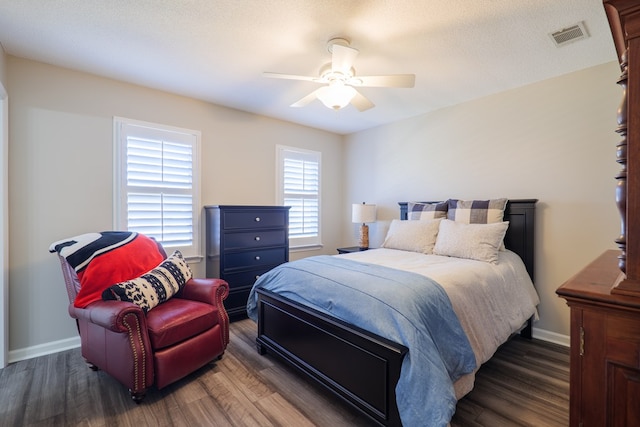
123	263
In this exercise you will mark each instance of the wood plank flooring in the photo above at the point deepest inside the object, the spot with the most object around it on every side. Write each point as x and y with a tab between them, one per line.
525	384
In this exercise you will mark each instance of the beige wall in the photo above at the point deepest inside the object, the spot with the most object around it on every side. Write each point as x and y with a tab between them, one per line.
553	141
60	174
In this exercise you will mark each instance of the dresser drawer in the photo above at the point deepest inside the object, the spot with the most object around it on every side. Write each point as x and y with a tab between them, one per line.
255	239
244	278
255	258
236	302
254	219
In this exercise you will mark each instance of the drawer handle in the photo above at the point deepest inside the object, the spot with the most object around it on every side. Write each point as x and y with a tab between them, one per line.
257	257
257	238
257	219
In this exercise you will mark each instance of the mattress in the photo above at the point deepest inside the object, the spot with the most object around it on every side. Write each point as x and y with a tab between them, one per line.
492	301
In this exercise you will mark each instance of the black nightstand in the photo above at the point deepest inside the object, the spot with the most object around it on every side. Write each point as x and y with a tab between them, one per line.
350	249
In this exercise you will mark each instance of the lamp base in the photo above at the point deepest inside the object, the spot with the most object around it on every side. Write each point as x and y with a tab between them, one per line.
364	237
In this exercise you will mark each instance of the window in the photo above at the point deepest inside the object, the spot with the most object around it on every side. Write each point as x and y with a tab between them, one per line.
157	188
298	186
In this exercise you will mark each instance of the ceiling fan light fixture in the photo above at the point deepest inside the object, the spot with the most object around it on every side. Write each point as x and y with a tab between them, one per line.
339	76
336	95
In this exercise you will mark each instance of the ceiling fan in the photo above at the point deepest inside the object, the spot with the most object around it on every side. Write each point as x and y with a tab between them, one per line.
339	79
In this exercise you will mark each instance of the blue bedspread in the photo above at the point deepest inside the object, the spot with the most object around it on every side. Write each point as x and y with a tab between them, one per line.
401	306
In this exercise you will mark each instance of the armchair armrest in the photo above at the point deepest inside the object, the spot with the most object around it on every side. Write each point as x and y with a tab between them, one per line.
108	314
210	291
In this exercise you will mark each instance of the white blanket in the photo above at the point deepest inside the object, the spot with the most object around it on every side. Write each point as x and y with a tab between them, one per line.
492	301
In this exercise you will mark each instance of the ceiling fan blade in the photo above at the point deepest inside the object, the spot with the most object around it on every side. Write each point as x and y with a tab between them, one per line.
290	77
342	58
306	100
392	80
361	102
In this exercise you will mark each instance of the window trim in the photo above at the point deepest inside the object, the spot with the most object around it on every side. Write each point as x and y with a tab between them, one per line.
192	252
301	243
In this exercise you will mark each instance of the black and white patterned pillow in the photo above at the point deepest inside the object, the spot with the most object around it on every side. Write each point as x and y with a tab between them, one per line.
155	286
417	210
476	211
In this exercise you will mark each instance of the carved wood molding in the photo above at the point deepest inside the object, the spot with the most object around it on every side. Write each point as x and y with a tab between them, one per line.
621	158
624	20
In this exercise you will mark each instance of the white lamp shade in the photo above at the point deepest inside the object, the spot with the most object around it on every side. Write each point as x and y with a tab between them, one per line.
362	213
336	95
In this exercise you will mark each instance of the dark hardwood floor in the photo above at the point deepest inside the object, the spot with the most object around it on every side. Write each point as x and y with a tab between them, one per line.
526	383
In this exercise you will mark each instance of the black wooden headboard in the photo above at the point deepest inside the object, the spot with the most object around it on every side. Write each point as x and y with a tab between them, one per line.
520	235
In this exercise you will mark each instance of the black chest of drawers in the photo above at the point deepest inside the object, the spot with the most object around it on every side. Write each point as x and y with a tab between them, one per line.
244	242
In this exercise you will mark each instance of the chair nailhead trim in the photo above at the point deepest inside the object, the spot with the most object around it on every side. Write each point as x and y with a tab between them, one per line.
136	371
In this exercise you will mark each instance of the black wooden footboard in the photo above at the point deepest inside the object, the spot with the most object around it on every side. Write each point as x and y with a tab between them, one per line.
356	365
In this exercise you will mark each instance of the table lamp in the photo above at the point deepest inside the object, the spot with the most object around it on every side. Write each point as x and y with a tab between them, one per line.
361	214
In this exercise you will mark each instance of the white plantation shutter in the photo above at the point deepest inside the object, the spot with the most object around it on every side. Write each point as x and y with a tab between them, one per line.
299	187
158	183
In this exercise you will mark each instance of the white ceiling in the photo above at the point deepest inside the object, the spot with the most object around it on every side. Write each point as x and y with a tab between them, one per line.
216	50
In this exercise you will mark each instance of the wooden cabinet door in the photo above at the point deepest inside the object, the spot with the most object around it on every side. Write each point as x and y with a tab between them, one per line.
624	393
622	367
605	367
590	352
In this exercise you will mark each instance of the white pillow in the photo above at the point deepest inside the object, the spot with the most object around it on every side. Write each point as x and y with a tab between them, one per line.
414	236
472	241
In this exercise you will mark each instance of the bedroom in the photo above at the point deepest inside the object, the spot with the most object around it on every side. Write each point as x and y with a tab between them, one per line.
552	140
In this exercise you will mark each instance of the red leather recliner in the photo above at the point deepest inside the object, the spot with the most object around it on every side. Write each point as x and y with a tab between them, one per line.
164	345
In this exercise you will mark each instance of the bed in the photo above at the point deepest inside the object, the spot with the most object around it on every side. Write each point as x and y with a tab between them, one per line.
378	373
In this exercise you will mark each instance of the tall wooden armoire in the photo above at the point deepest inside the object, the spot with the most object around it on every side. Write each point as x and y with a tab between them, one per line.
604	297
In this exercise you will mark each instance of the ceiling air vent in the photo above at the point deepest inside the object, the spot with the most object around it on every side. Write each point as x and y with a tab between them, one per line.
569	35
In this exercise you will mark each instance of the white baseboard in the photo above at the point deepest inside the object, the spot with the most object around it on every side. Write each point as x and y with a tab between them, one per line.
553	337
69	343
43	349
